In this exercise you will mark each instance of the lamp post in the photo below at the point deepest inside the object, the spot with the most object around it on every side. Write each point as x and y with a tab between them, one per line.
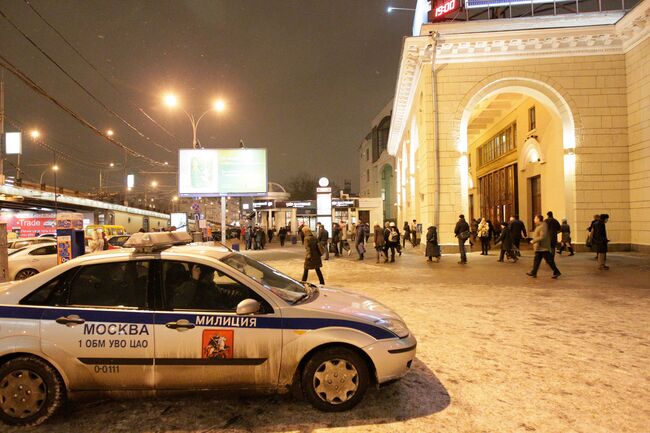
153	184
55	169
218	105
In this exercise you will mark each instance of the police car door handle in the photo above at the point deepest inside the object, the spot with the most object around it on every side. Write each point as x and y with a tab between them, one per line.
181	324
71	320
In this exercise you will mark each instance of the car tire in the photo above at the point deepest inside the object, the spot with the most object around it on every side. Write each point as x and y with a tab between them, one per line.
25	273
335	379
31	391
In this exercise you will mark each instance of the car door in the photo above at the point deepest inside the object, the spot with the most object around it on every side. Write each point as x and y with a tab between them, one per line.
43	258
100	329
200	340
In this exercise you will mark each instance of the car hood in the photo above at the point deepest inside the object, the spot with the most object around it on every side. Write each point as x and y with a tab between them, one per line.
343	302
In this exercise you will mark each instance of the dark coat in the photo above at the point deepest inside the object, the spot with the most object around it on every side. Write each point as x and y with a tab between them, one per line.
461	226
516	229
379	237
433	249
599	237
312	253
506	239
554	228
323	235
566	233
360	235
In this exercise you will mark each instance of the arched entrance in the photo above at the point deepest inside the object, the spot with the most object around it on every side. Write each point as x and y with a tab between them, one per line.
517	140
388	192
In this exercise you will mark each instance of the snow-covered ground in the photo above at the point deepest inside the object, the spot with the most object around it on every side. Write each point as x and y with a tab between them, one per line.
498	351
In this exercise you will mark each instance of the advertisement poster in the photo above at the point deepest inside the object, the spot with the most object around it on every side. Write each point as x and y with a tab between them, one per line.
217	343
29	224
64	249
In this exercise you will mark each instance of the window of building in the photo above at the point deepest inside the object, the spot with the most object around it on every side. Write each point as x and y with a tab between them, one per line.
531	118
367	175
500	144
367	154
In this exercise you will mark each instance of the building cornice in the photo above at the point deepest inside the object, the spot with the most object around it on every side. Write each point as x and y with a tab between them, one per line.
515	39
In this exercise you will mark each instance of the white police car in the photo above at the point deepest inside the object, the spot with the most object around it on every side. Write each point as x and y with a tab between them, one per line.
166	317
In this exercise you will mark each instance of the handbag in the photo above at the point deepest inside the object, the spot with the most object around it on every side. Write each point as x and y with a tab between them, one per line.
589	240
464	235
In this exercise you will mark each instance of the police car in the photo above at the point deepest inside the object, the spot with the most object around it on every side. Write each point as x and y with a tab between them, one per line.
158	315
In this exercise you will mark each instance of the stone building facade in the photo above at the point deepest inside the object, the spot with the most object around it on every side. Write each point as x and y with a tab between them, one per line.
521	116
377	166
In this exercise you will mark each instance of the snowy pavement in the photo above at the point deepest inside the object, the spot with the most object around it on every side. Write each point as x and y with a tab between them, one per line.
498	351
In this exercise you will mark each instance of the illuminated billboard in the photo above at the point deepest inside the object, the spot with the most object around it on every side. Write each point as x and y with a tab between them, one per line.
218	172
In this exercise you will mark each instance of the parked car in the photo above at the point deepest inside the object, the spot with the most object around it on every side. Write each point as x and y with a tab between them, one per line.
157	316
31	260
115	242
24	242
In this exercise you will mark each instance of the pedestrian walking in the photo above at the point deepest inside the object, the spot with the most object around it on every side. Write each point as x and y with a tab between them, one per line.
282	235
379	242
336	239
473	232
414	233
505	239
483	231
270	233
565	238
301	233
312	255
433	248
323	240
541	241
407	233
360	239
600	241
461	231
590	235
345	244
517	232
554	228
391	236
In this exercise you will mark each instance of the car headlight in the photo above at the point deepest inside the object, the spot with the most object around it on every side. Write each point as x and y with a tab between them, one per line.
397	327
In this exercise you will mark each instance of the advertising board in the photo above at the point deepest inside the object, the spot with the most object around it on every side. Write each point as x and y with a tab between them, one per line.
218	172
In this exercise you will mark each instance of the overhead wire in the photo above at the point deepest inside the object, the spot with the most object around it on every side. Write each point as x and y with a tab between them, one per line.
93	67
88	92
10	67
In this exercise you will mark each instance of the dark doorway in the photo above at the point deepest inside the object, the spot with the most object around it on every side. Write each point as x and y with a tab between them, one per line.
471	207
535	194
364	216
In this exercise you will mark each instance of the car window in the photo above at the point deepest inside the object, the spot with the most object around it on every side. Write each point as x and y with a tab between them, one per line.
116	284
43	251
283	286
17	251
51	293
190	286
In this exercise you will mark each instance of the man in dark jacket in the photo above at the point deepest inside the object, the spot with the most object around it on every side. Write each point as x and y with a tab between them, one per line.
336	238
517	232
282	234
599	240
554	228
462	233
312	255
323	238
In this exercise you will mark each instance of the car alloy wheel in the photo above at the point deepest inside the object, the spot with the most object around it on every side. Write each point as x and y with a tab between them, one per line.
26	273
22	393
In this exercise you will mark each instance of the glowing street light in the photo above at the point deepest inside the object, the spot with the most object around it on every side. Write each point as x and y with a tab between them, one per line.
110	132
35	134
154	184
218	106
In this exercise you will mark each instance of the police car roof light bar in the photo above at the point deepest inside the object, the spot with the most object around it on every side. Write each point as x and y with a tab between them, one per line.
157	241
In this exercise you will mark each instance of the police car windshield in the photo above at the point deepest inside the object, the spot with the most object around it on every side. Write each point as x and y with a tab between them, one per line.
285	287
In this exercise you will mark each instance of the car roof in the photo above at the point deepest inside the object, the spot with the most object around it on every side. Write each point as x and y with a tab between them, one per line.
40	239
211	251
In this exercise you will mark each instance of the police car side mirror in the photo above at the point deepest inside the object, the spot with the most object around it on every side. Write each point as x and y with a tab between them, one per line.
248	306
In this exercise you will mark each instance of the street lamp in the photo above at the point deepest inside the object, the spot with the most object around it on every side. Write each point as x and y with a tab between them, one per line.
218	105
391	9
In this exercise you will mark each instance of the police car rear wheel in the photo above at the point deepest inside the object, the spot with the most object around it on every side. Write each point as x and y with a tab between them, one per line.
31	391
335	379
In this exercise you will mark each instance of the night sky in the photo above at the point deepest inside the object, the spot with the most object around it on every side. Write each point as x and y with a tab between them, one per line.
301	78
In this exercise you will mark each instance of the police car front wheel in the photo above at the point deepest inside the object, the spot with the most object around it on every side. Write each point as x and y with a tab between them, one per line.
31	391
335	379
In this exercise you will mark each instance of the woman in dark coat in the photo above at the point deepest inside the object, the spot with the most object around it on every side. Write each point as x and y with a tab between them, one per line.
380	242
312	255
599	241
433	249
